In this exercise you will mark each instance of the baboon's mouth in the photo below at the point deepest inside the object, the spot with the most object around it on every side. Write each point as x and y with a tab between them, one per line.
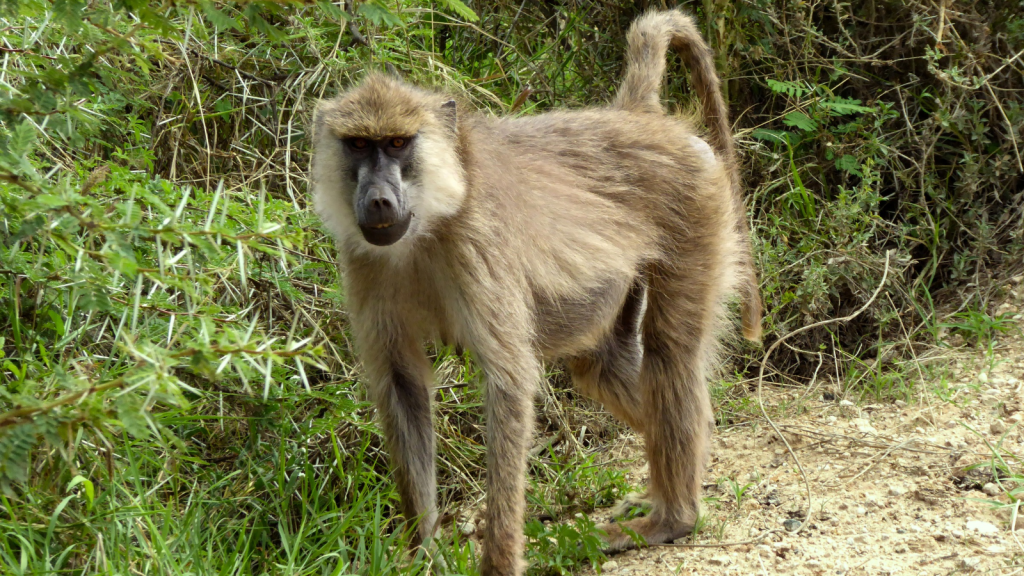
386	233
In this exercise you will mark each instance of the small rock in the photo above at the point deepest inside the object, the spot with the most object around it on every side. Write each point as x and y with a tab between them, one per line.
864	426
901	548
861	510
990	489
609	566
956	443
845	403
957	533
467	528
764	550
791	525
995	549
997	427
923	544
970	562
983	377
861	539
896	491
982	527
720	561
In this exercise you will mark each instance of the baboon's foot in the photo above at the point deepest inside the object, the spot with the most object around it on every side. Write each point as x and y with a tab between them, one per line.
630	501
651	531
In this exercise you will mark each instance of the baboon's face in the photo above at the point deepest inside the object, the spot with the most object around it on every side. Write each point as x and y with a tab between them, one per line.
380	201
385	165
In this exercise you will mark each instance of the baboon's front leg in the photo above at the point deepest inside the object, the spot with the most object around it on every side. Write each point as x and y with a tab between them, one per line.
509	407
400	376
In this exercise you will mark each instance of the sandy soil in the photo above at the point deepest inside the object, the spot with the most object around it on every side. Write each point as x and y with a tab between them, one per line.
888	483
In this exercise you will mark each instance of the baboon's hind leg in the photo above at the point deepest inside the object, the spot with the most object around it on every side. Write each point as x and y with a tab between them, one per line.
610	374
678	335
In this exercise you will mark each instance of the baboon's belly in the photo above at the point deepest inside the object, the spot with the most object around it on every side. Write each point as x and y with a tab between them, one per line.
572	324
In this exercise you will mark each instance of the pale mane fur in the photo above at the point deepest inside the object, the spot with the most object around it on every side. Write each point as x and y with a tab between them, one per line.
610	238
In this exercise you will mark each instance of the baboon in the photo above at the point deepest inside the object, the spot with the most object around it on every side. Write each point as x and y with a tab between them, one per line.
536	239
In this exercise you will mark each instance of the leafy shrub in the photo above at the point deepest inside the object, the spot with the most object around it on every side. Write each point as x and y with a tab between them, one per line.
561	548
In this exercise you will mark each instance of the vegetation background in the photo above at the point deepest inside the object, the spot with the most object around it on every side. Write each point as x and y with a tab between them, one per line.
177	390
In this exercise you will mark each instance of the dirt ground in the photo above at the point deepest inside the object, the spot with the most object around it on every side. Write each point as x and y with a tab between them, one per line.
888	486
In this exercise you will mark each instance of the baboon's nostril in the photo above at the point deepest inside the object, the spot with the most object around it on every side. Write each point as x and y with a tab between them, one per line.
381	204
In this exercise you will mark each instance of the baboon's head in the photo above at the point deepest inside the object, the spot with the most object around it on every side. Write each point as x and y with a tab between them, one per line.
385	164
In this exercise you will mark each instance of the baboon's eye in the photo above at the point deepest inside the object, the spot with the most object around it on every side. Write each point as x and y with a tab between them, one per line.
358	143
397	142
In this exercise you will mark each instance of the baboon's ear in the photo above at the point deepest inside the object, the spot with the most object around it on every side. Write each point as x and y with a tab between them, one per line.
450	115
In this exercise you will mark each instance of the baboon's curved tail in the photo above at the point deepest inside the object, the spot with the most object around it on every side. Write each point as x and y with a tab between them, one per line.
649	39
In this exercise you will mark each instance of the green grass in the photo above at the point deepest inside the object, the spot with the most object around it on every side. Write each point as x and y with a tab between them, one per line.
1006	470
738	491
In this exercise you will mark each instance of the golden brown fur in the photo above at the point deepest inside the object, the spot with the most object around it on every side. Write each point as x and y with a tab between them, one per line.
538	239
653	34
